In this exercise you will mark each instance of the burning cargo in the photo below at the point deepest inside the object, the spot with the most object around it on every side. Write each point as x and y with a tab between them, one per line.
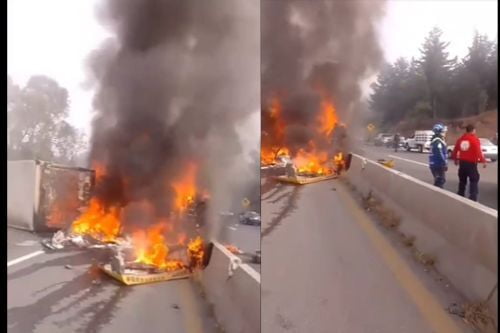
130	270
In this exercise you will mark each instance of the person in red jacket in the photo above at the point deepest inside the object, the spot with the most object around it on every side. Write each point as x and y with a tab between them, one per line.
467	154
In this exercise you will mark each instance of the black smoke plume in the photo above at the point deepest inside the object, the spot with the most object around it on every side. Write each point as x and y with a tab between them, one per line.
173	83
313	49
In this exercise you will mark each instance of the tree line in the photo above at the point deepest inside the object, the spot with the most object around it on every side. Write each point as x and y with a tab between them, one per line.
436	86
37	126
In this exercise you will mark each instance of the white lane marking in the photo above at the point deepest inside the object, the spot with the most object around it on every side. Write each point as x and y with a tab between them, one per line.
28	243
407	160
23	258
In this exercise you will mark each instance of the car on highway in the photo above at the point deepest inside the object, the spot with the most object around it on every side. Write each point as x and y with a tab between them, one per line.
490	150
250	218
419	141
383	139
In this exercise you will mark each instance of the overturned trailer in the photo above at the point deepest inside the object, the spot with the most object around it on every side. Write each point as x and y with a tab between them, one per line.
43	196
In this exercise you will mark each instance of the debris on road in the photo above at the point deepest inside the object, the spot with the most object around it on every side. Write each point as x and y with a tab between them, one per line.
253	258
61	240
424	258
302	180
68	266
141	276
130	270
474	314
233	249
386	163
57	241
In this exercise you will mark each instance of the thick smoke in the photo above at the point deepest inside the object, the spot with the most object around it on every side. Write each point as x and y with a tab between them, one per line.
173	84
313	50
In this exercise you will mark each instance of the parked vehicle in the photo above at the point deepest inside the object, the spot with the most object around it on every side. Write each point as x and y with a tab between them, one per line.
383	139
490	150
250	218
419	141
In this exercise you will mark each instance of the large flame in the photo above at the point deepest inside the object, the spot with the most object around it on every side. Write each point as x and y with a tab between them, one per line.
309	159
195	251
327	119
185	189
149	244
312	162
268	156
150	248
100	222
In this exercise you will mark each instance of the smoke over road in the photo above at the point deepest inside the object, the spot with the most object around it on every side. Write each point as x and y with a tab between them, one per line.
314	51
173	84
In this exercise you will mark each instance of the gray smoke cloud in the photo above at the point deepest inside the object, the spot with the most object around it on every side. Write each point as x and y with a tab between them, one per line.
312	49
172	85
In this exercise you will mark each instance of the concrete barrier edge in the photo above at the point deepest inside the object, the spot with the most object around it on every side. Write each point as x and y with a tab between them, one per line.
236	298
463	236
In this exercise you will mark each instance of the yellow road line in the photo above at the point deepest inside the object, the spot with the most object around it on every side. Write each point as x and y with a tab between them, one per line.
189	309
427	304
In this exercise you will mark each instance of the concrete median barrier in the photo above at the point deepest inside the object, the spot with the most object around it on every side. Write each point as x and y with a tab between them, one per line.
460	233
236	296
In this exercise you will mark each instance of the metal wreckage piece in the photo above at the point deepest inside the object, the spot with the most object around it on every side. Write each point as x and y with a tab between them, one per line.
294	177
120	267
61	240
134	274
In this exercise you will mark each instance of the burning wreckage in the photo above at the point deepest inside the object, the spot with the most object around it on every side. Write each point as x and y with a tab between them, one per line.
314	161
158	252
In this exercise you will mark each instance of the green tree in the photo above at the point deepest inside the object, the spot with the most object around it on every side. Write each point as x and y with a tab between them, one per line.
492	76
37	127
476	65
383	88
399	87
437	68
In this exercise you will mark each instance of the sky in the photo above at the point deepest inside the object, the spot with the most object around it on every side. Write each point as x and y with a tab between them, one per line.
54	38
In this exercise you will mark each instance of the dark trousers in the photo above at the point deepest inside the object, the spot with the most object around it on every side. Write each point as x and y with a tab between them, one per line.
439	174
468	171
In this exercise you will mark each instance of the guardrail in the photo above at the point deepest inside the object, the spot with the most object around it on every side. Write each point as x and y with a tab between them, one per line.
460	233
233	288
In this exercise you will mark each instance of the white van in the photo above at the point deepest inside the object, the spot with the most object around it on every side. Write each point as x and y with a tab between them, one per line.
420	141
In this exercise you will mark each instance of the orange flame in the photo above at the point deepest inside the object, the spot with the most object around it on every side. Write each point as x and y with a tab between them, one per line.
268	155
339	161
233	249
327	118
308	160
100	223
312	162
150	248
195	251
185	189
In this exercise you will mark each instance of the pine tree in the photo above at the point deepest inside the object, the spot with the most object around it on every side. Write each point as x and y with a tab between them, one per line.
436	67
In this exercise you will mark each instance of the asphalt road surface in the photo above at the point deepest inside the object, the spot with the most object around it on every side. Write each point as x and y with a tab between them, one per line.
328	267
416	165
244	237
46	296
